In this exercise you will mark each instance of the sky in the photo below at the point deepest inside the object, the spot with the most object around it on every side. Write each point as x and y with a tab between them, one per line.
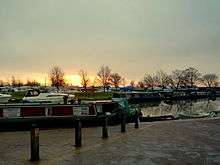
133	37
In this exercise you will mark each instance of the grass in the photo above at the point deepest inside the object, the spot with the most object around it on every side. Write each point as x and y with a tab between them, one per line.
94	95
18	95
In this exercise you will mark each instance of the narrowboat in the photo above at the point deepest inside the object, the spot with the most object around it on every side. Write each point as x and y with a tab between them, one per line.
137	97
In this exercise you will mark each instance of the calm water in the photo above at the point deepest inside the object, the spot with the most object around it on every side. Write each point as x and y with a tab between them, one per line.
183	106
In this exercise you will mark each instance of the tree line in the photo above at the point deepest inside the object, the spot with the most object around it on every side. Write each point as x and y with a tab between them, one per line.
15	82
186	78
189	77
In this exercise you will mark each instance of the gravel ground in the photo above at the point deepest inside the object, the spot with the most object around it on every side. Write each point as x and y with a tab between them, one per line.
167	142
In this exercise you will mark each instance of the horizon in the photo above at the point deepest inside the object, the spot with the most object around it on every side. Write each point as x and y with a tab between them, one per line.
132	38
75	79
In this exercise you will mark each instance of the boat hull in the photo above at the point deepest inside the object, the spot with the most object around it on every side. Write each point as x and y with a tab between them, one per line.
4	99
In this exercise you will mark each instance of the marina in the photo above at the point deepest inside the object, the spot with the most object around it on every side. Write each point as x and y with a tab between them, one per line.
21	116
109	82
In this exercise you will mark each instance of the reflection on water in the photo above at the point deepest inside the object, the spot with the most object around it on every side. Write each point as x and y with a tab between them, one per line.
175	108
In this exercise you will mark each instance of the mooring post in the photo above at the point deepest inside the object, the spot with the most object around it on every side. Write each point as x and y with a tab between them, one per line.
78	133
136	120
123	121
34	143
105	126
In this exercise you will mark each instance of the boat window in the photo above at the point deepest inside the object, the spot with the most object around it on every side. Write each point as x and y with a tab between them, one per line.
53	95
116	95
32	93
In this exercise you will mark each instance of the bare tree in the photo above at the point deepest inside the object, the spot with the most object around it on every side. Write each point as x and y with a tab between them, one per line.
32	83
209	80
141	84
162	79
149	81
191	75
57	77
178	78
103	76
13	81
16	82
115	80
84	78
1	83
132	83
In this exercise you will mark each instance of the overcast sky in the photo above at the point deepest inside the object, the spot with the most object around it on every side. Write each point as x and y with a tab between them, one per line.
131	36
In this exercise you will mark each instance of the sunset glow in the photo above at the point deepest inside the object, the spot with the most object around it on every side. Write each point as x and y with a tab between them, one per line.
43	79
73	79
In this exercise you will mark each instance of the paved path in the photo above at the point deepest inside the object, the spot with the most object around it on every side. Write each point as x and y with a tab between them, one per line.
168	142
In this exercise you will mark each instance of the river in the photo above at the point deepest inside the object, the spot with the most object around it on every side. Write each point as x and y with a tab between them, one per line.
175	108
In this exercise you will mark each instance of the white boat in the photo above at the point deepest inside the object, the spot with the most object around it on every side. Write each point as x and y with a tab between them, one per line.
34	96
4	98
194	115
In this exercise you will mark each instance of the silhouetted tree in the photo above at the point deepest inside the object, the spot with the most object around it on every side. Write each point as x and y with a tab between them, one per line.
13	81
115	80
162	79
149	81
103	76
32	83
84	78
1	83
57	77
178	78
191	76
132	83
141	84
16	82
209	80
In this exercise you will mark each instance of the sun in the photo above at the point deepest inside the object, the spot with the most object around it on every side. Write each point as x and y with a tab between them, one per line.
73	79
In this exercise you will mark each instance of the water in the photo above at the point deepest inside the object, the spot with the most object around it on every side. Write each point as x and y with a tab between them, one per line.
175	108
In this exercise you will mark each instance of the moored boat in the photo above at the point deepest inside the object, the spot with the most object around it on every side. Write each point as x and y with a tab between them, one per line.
137	97
35	96
21	116
194	115
4	98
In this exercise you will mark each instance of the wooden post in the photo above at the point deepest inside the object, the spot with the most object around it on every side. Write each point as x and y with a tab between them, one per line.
78	133
136	120
123	121
34	143
105	127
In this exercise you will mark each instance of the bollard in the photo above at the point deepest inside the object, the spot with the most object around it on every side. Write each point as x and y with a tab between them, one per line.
136	120
123	122
105	127
78	133
34	143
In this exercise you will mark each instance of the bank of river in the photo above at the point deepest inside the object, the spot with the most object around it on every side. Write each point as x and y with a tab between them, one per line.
168	142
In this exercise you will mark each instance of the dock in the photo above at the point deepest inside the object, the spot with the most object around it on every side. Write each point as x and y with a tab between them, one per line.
167	142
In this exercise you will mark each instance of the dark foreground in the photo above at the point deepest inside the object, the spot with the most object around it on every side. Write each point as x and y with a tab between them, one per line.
166	142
